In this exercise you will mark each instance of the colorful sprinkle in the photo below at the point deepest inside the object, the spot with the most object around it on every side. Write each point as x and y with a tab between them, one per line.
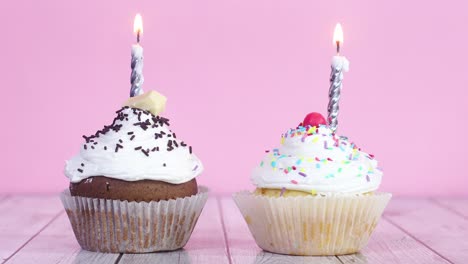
339	170
367	178
313	192
317	165
273	164
299	161
302	174
282	191
294	182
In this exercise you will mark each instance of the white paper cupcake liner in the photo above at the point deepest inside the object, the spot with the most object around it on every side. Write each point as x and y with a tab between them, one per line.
312	225
133	227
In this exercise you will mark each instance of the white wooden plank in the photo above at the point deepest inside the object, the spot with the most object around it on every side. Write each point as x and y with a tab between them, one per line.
457	205
153	258
391	245
206	245
22	217
242	245
440	229
57	244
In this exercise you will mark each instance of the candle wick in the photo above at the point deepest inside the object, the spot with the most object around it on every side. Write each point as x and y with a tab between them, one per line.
138	36
338	47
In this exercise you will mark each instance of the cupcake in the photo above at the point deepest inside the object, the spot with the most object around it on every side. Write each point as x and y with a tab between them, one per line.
316	194
132	184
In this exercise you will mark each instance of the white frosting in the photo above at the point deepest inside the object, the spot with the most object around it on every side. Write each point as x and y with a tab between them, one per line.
317	161
116	154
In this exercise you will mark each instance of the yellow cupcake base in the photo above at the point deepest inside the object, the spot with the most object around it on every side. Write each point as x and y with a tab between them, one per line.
288	193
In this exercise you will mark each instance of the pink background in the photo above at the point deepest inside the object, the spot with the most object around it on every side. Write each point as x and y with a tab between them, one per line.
238	74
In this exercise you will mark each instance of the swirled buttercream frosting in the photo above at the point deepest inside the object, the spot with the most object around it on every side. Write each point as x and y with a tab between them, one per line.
136	146
313	159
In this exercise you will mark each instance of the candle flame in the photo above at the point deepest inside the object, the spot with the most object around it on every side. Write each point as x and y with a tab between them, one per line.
138	25
338	35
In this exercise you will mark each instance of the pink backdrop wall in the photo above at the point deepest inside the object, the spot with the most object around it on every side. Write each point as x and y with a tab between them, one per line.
238	74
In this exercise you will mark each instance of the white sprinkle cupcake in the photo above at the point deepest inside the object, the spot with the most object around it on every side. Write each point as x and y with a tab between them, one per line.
316	194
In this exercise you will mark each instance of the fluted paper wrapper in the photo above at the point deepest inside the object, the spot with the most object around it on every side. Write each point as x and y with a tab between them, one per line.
312	225
133	227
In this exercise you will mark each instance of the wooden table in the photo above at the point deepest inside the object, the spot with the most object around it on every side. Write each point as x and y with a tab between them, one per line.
35	229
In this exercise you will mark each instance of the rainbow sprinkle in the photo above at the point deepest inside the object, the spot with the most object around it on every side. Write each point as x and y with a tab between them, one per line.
282	191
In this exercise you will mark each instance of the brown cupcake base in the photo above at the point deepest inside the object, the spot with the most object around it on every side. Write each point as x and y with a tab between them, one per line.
145	190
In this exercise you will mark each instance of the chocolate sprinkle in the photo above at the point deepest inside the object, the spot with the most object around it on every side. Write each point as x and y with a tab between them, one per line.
145	152
82	164
190	149
117	146
80	170
138	148
132	137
